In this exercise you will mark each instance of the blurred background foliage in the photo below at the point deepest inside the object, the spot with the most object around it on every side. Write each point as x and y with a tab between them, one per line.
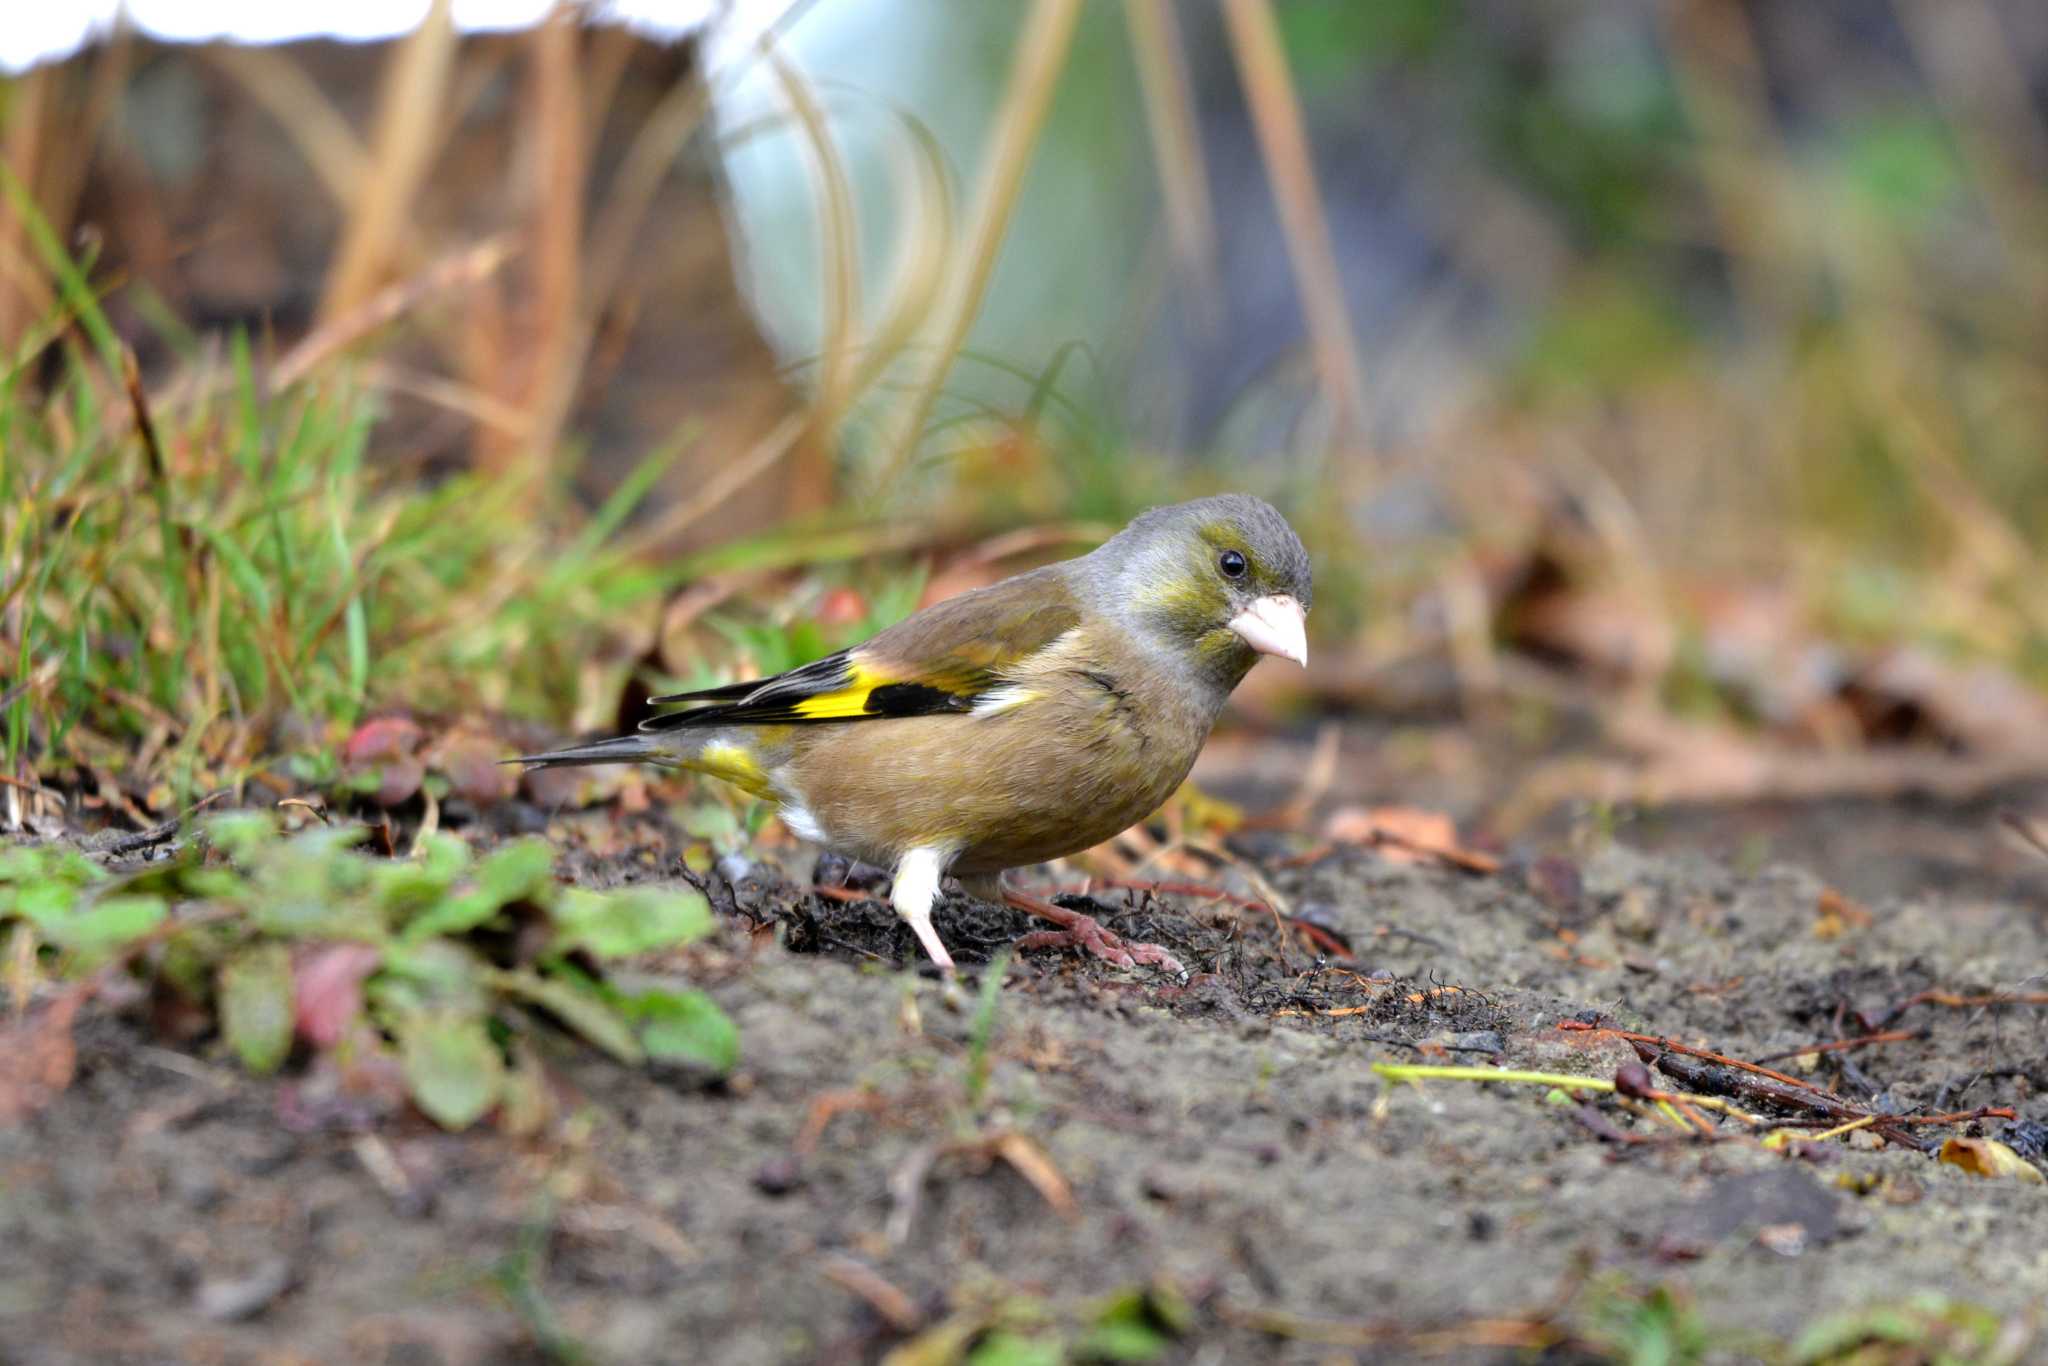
1695	348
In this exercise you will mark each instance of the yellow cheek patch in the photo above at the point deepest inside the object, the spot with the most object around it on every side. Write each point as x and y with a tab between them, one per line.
844	702
736	766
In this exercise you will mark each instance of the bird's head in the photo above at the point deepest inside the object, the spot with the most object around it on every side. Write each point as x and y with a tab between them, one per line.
1218	582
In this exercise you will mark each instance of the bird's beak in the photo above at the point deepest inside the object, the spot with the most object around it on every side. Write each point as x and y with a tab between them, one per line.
1274	625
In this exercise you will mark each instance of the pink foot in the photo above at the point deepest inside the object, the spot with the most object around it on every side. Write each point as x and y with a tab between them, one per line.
1078	931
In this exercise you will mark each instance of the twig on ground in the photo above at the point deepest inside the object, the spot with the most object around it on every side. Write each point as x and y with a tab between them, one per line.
1843	1045
1955	1001
1759	1086
906	1188
1674	1046
880	1294
163	832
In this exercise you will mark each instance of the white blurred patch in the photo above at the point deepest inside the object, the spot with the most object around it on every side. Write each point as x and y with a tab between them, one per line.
33	33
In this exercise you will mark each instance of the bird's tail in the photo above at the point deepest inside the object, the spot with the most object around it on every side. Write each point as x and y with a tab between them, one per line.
627	749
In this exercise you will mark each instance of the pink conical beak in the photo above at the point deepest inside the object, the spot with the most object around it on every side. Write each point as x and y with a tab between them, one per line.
1274	625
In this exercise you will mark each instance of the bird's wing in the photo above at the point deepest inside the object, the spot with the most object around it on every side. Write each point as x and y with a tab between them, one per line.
944	659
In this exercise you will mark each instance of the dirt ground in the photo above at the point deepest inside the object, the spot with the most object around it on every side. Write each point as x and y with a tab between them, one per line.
1218	1154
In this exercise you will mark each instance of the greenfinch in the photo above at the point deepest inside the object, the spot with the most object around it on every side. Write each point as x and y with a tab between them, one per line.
1012	724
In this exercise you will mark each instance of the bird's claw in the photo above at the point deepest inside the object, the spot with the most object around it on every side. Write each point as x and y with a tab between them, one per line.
1086	932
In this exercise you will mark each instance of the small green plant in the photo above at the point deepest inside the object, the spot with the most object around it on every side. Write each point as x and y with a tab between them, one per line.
982	1035
1643	1326
1929	1327
432	961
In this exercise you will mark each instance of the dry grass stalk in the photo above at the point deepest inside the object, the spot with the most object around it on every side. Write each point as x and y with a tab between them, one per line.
839	272
24	293
926	237
1176	142
1276	118
1041	56
464	269
48	138
409	131
1719	75
1981	88
303	110
721	485
554	153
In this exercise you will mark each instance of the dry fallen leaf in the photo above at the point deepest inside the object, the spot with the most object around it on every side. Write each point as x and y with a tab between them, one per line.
37	1057
470	760
573	788
1989	1157
1406	834
1837	914
1035	1165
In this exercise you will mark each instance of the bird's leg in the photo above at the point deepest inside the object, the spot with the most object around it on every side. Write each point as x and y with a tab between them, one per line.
1075	929
917	888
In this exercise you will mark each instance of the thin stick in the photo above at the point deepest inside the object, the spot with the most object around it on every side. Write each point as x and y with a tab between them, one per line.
1676	1047
1843	1045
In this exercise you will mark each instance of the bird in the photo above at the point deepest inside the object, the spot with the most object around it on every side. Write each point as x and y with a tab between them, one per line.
1012	724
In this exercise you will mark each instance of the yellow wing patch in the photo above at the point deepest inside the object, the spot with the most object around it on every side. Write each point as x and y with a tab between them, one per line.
847	701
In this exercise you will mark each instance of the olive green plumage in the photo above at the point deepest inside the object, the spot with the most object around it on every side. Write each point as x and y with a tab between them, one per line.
1013	724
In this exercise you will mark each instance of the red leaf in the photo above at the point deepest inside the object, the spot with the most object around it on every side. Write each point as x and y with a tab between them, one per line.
384	737
328	990
399	780
470	761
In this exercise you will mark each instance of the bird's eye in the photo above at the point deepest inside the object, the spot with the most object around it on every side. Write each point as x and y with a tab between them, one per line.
1232	564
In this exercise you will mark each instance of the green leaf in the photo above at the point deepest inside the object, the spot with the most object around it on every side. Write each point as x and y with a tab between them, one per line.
1125	1340
713	821
406	889
212	884
256	1006
111	923
452	1068
456	915
408	886
435	974
45	905
638	920
684	1026
1139	1324
521	871
1002	1348
578	1006
322	844
241	835
444	855
1903	165
187	964
25	864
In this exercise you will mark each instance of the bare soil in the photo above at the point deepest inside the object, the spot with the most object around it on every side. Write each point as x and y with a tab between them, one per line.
1225	1141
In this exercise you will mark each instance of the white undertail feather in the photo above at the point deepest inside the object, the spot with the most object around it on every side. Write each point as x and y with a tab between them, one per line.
917	889
801	823
1002	699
